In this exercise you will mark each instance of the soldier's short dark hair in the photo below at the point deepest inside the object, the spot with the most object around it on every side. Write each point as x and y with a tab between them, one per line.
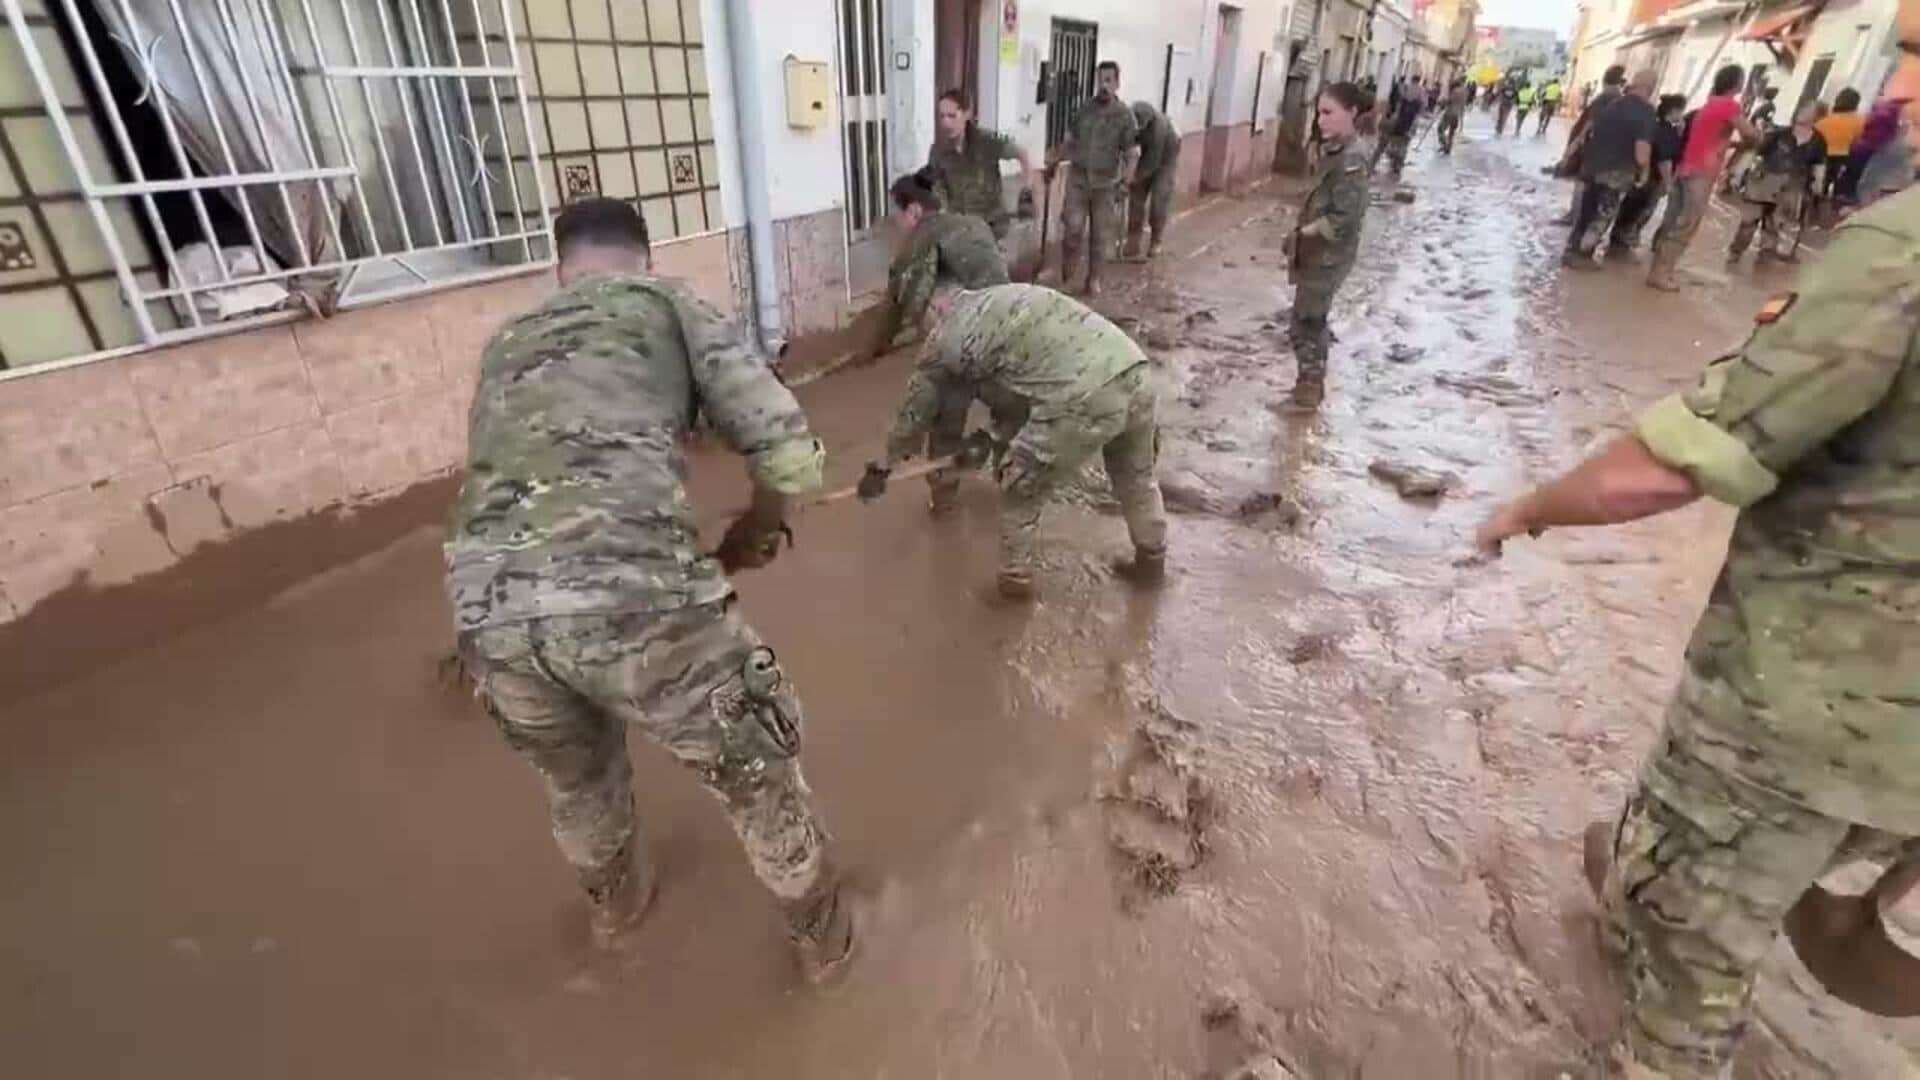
1728	80
1107	65
915	189
1615	76
599	222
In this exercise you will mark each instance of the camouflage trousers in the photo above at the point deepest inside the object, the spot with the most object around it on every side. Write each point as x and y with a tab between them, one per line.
946	438
1705	867
1770	219
1150	202
699	683
1307	330
1394	149
1117	422
1089	219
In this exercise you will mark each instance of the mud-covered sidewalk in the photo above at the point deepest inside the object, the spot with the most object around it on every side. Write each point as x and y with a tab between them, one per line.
1319	798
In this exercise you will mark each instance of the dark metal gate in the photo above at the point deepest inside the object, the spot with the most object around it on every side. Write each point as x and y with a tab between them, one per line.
1071	58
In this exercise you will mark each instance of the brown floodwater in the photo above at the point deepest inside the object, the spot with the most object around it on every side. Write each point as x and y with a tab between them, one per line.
1317	800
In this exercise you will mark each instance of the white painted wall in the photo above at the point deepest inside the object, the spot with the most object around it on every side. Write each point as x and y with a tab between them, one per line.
1136	33
911	92
803	166
1706	47
1856	34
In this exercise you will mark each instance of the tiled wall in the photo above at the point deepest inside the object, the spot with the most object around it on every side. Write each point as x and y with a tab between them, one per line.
621	106
117	468
58	294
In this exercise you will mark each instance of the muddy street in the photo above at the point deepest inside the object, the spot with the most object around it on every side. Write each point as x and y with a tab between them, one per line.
1316	800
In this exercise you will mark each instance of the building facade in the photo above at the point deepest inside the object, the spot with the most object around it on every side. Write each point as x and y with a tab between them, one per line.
1807	52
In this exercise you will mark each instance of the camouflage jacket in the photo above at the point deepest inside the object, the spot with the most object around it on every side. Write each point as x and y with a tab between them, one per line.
945	249
1804	673
968	177
1023	349
1101	137
1339	198
574	500
1159	141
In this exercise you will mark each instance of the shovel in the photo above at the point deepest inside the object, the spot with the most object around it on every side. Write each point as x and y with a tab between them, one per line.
1841	939
1844	943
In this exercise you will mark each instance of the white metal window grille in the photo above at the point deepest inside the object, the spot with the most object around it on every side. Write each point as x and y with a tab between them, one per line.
284	155
863	101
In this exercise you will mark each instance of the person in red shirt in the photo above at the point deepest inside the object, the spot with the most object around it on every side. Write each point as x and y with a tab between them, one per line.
1708	136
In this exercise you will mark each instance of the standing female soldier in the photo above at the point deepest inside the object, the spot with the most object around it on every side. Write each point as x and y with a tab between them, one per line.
1327	238
965	161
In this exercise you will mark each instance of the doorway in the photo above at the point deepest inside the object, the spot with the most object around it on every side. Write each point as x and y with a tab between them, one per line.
1070	57
1216	167
956	48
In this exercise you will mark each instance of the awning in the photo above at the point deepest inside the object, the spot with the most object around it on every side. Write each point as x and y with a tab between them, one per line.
1765	27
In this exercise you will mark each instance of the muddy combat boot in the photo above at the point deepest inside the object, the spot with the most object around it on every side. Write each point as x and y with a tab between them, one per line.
1092	288
1573	260
1662	279
943	497
1131	252
614	912
1153	248
1309	389
822	933
1148	566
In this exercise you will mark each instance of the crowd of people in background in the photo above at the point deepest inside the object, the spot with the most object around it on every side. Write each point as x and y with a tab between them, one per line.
1781	174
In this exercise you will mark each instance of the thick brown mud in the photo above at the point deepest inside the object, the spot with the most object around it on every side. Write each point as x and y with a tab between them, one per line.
1312	809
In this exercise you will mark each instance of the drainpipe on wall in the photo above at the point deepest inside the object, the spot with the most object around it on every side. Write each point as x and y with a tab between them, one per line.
750	117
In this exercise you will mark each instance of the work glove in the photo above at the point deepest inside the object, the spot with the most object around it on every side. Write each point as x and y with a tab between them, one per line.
874	483
747	546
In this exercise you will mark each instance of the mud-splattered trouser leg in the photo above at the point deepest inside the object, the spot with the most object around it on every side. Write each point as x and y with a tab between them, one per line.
1076	214
1150	203
1751	215
1091	217
1131	458
1307	330
945	439
696	681
1116	421
1686	209
1704	869
1599	207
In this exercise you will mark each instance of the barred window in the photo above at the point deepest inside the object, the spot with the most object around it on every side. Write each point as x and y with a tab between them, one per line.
176	168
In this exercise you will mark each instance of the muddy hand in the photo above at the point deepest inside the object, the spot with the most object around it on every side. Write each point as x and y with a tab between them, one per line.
746	546
873	483
1505	523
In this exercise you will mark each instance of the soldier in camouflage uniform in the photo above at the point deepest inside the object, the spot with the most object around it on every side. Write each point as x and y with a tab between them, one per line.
1100	151
1326	241
965	162
1150	197
1791	742
582	601
938	248
1063	384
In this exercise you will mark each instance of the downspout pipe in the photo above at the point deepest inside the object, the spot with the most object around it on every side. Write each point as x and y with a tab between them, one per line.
751	109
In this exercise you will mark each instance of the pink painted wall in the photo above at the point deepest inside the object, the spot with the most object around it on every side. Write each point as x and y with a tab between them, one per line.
118	468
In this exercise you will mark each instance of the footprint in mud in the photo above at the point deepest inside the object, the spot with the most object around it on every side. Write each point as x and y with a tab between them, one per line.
1158	809
1242	1037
